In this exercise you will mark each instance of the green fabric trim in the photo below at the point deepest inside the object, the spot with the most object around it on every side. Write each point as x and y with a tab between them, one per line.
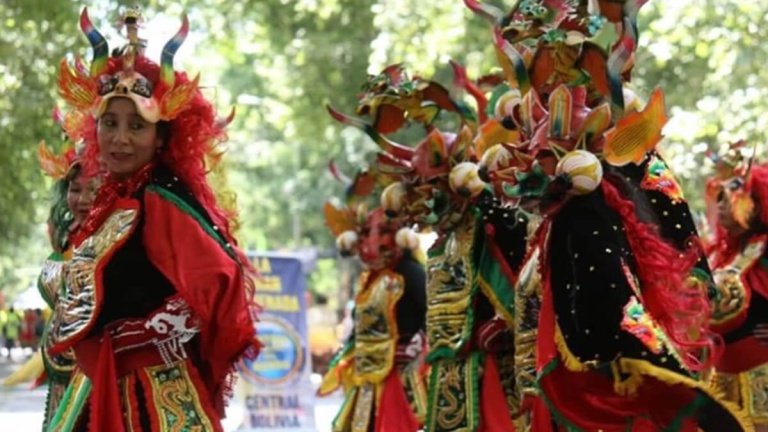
446	352
443	353
471	366
348	347
348	399
686	412
476	358
503	292
65	420
186	208
433	375
47	411
556	415
763	261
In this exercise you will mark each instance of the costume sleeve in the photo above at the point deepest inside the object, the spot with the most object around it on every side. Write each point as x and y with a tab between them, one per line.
412	308
205	272
596	294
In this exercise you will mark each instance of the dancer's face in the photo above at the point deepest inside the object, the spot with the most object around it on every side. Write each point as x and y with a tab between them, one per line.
127	142
80	195
725	215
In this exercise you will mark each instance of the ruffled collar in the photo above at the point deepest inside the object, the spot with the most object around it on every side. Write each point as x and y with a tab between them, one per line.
110	192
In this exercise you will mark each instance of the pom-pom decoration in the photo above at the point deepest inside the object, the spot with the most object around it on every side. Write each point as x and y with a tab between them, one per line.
347	243
393	198
583	169
506	103
465	180
406	238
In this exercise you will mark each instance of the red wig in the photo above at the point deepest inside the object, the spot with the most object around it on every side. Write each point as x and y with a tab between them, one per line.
191	147
682	310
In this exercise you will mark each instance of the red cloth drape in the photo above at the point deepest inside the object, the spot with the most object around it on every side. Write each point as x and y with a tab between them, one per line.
394	412
494	411
209	279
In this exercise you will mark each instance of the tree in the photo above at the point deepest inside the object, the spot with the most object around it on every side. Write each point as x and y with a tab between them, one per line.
34	34
279	61
708	56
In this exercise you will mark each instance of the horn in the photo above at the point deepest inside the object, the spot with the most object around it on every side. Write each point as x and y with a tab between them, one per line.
338	175
630	10
397	150
521	72
615	65
222	123
98	43
462	81
167	76
58	117
395	73
490	13
750	163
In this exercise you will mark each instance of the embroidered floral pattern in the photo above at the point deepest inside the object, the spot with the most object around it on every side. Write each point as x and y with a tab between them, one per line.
638	323
658	177
177	402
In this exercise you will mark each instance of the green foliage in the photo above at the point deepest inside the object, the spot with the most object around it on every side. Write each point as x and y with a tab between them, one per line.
34	34
279	61
709	58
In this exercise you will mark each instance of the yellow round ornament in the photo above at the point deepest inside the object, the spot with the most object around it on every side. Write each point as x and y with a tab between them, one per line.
465	180
583	169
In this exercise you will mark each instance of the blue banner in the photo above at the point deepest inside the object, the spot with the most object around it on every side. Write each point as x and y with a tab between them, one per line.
275	389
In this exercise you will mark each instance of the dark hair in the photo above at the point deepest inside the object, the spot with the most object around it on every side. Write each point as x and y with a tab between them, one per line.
630	190
60	218
164	131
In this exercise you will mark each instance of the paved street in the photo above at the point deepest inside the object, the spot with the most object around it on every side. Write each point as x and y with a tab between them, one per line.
21	409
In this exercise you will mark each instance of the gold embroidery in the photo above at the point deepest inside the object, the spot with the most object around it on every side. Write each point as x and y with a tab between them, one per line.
416	391
527	306
453	400
51	279
505	362
127	386
376	327
56	365
363	408
55	395
450	416
343	420
176	400
732	294
70	407
749	390
450	288
76	308
754	393
51	284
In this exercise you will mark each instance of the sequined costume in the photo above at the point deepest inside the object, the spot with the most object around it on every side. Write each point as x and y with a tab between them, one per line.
737	193
157	305
471	266
64	169
622	335
381	365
